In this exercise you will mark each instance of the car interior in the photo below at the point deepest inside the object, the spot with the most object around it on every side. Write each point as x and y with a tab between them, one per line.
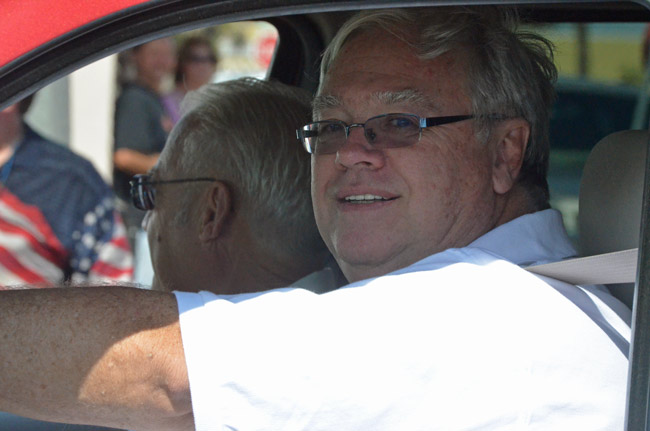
611	197
598	169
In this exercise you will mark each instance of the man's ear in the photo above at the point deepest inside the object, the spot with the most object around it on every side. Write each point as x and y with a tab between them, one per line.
216	212
511	139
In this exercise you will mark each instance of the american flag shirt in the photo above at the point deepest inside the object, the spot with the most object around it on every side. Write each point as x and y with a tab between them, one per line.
58	221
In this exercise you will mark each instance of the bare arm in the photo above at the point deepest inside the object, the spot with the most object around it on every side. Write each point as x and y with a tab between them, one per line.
134	162
99	355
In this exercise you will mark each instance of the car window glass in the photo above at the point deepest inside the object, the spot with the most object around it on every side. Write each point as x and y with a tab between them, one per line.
78	111
601	74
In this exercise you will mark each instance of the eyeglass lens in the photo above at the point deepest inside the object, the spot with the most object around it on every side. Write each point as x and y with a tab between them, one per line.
384	131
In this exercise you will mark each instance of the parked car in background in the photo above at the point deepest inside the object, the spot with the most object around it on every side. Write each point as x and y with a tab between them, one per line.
584	113
587	111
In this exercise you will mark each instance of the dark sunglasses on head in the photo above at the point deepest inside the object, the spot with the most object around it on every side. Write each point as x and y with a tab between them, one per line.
143	190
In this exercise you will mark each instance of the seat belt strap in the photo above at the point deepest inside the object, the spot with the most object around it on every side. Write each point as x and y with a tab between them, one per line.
608	268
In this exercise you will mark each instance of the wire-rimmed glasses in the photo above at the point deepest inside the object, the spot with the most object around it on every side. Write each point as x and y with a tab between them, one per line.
381	132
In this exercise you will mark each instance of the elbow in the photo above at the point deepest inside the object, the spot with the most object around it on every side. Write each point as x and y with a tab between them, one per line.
121	159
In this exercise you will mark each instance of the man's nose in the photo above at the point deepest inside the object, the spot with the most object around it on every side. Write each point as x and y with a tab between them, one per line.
356	151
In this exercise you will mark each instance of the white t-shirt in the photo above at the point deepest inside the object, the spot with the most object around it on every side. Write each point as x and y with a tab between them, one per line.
462	340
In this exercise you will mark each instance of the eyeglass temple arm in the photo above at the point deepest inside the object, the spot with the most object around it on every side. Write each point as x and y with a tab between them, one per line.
439	121
302	134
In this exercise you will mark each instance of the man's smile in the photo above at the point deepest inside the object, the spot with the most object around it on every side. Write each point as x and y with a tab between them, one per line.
365	199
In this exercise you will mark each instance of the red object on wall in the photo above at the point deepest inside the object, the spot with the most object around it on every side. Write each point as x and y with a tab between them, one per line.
266	49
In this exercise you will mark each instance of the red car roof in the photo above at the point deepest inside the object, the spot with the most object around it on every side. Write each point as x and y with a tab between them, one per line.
27	24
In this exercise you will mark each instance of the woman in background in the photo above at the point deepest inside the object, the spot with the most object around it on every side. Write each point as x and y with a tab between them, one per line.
197	63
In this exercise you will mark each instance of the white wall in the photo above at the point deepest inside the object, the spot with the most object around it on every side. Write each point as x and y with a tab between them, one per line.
77	112
49	112
92	103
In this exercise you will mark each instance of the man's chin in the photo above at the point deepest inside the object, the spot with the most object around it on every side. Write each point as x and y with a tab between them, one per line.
358	265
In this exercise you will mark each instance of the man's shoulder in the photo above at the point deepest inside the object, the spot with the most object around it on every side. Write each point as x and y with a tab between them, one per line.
455	266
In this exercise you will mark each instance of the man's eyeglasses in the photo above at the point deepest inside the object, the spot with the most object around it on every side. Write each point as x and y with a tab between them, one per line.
143	190
382	131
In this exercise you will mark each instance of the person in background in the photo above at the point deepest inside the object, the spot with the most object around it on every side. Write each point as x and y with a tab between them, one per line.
196	65
141	129
58	221
228	203
141	126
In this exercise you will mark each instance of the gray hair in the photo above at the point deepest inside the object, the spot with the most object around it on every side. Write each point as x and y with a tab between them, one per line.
510	72
244	133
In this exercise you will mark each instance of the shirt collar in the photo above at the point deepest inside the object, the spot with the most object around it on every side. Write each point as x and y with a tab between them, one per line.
531	239
319	281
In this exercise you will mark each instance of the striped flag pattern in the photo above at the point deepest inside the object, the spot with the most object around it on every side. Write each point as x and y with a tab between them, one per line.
31	253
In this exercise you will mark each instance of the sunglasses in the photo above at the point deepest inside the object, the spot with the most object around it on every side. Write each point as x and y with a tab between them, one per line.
143	189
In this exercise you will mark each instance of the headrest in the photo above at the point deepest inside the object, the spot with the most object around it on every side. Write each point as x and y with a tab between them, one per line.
611	193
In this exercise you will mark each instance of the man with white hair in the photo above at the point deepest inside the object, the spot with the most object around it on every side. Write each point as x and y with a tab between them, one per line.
429	153
228	203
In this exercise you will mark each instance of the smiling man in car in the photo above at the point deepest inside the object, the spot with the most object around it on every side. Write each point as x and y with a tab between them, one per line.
430	151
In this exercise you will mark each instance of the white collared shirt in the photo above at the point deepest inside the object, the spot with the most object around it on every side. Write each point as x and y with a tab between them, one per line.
461	340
